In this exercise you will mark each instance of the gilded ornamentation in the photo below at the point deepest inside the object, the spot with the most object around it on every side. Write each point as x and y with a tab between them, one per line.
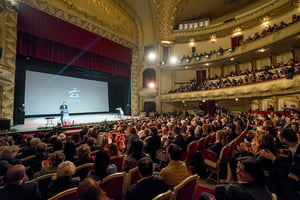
268	88
9	40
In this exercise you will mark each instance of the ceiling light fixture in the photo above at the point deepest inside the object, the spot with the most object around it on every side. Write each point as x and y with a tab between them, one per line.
166	42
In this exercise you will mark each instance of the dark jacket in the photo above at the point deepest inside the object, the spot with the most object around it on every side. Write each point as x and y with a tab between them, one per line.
146	188
61	184
26	191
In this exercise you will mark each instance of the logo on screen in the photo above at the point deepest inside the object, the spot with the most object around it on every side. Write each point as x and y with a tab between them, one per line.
74	95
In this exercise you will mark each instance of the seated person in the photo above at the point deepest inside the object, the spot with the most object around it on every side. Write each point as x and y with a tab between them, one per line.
135	155
89	189
102	166
54	160
63	179
149	186
83	155
15	186
176	171
220	142
250	185
287	165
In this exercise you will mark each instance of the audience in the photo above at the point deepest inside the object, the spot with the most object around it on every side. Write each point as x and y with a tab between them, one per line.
136	154
166	134
250	185
149	186
53	161
15	186
176	171
63	179
102	166
83	155
89	189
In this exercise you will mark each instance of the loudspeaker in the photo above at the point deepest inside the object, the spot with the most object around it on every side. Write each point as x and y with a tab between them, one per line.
4	124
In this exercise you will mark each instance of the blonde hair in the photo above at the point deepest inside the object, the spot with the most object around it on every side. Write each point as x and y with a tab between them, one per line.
66	168
7	152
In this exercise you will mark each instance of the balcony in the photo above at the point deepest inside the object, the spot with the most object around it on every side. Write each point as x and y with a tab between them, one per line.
280	86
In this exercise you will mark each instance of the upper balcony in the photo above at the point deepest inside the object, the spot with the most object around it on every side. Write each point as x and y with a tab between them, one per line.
281	40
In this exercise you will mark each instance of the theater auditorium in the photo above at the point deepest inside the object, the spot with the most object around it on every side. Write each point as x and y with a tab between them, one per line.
150	99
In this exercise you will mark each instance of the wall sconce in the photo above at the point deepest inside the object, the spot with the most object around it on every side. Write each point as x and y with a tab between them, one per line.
192	42
213	38
236	32
265	22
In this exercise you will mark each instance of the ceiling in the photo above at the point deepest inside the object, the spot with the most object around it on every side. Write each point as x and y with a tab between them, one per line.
159	17
216	10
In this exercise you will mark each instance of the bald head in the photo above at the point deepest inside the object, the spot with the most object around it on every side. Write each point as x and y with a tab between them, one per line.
14	174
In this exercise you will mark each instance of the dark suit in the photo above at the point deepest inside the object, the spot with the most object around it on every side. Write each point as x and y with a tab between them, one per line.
152	145
287	188
216	147
62	184
245	191
146	189
26	191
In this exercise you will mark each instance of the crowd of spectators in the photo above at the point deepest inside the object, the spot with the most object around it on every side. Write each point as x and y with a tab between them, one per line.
241	78
271	29
144	139
267	31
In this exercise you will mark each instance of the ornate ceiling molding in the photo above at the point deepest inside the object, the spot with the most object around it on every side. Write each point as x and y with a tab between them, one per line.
165	15
69	11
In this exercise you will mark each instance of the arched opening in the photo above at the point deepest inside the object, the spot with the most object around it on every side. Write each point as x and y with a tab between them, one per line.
149	76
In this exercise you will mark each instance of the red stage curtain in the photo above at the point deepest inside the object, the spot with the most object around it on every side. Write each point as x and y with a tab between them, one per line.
40	48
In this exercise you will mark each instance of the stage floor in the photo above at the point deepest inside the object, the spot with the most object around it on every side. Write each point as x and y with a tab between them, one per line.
33	123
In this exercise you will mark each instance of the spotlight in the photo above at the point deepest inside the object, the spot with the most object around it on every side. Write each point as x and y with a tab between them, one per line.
151	56
162	62
188	60
173	60
179	61
231	49
151	85
198	58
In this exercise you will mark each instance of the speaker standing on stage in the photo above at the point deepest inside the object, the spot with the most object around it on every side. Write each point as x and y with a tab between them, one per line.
64	113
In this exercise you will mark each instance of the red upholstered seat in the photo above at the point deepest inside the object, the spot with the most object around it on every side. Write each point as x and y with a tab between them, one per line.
69	194
134	175
83	170
201	143
115	185
187	188
119	162
191	150
168	195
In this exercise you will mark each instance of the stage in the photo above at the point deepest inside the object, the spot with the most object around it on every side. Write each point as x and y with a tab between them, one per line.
33	123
